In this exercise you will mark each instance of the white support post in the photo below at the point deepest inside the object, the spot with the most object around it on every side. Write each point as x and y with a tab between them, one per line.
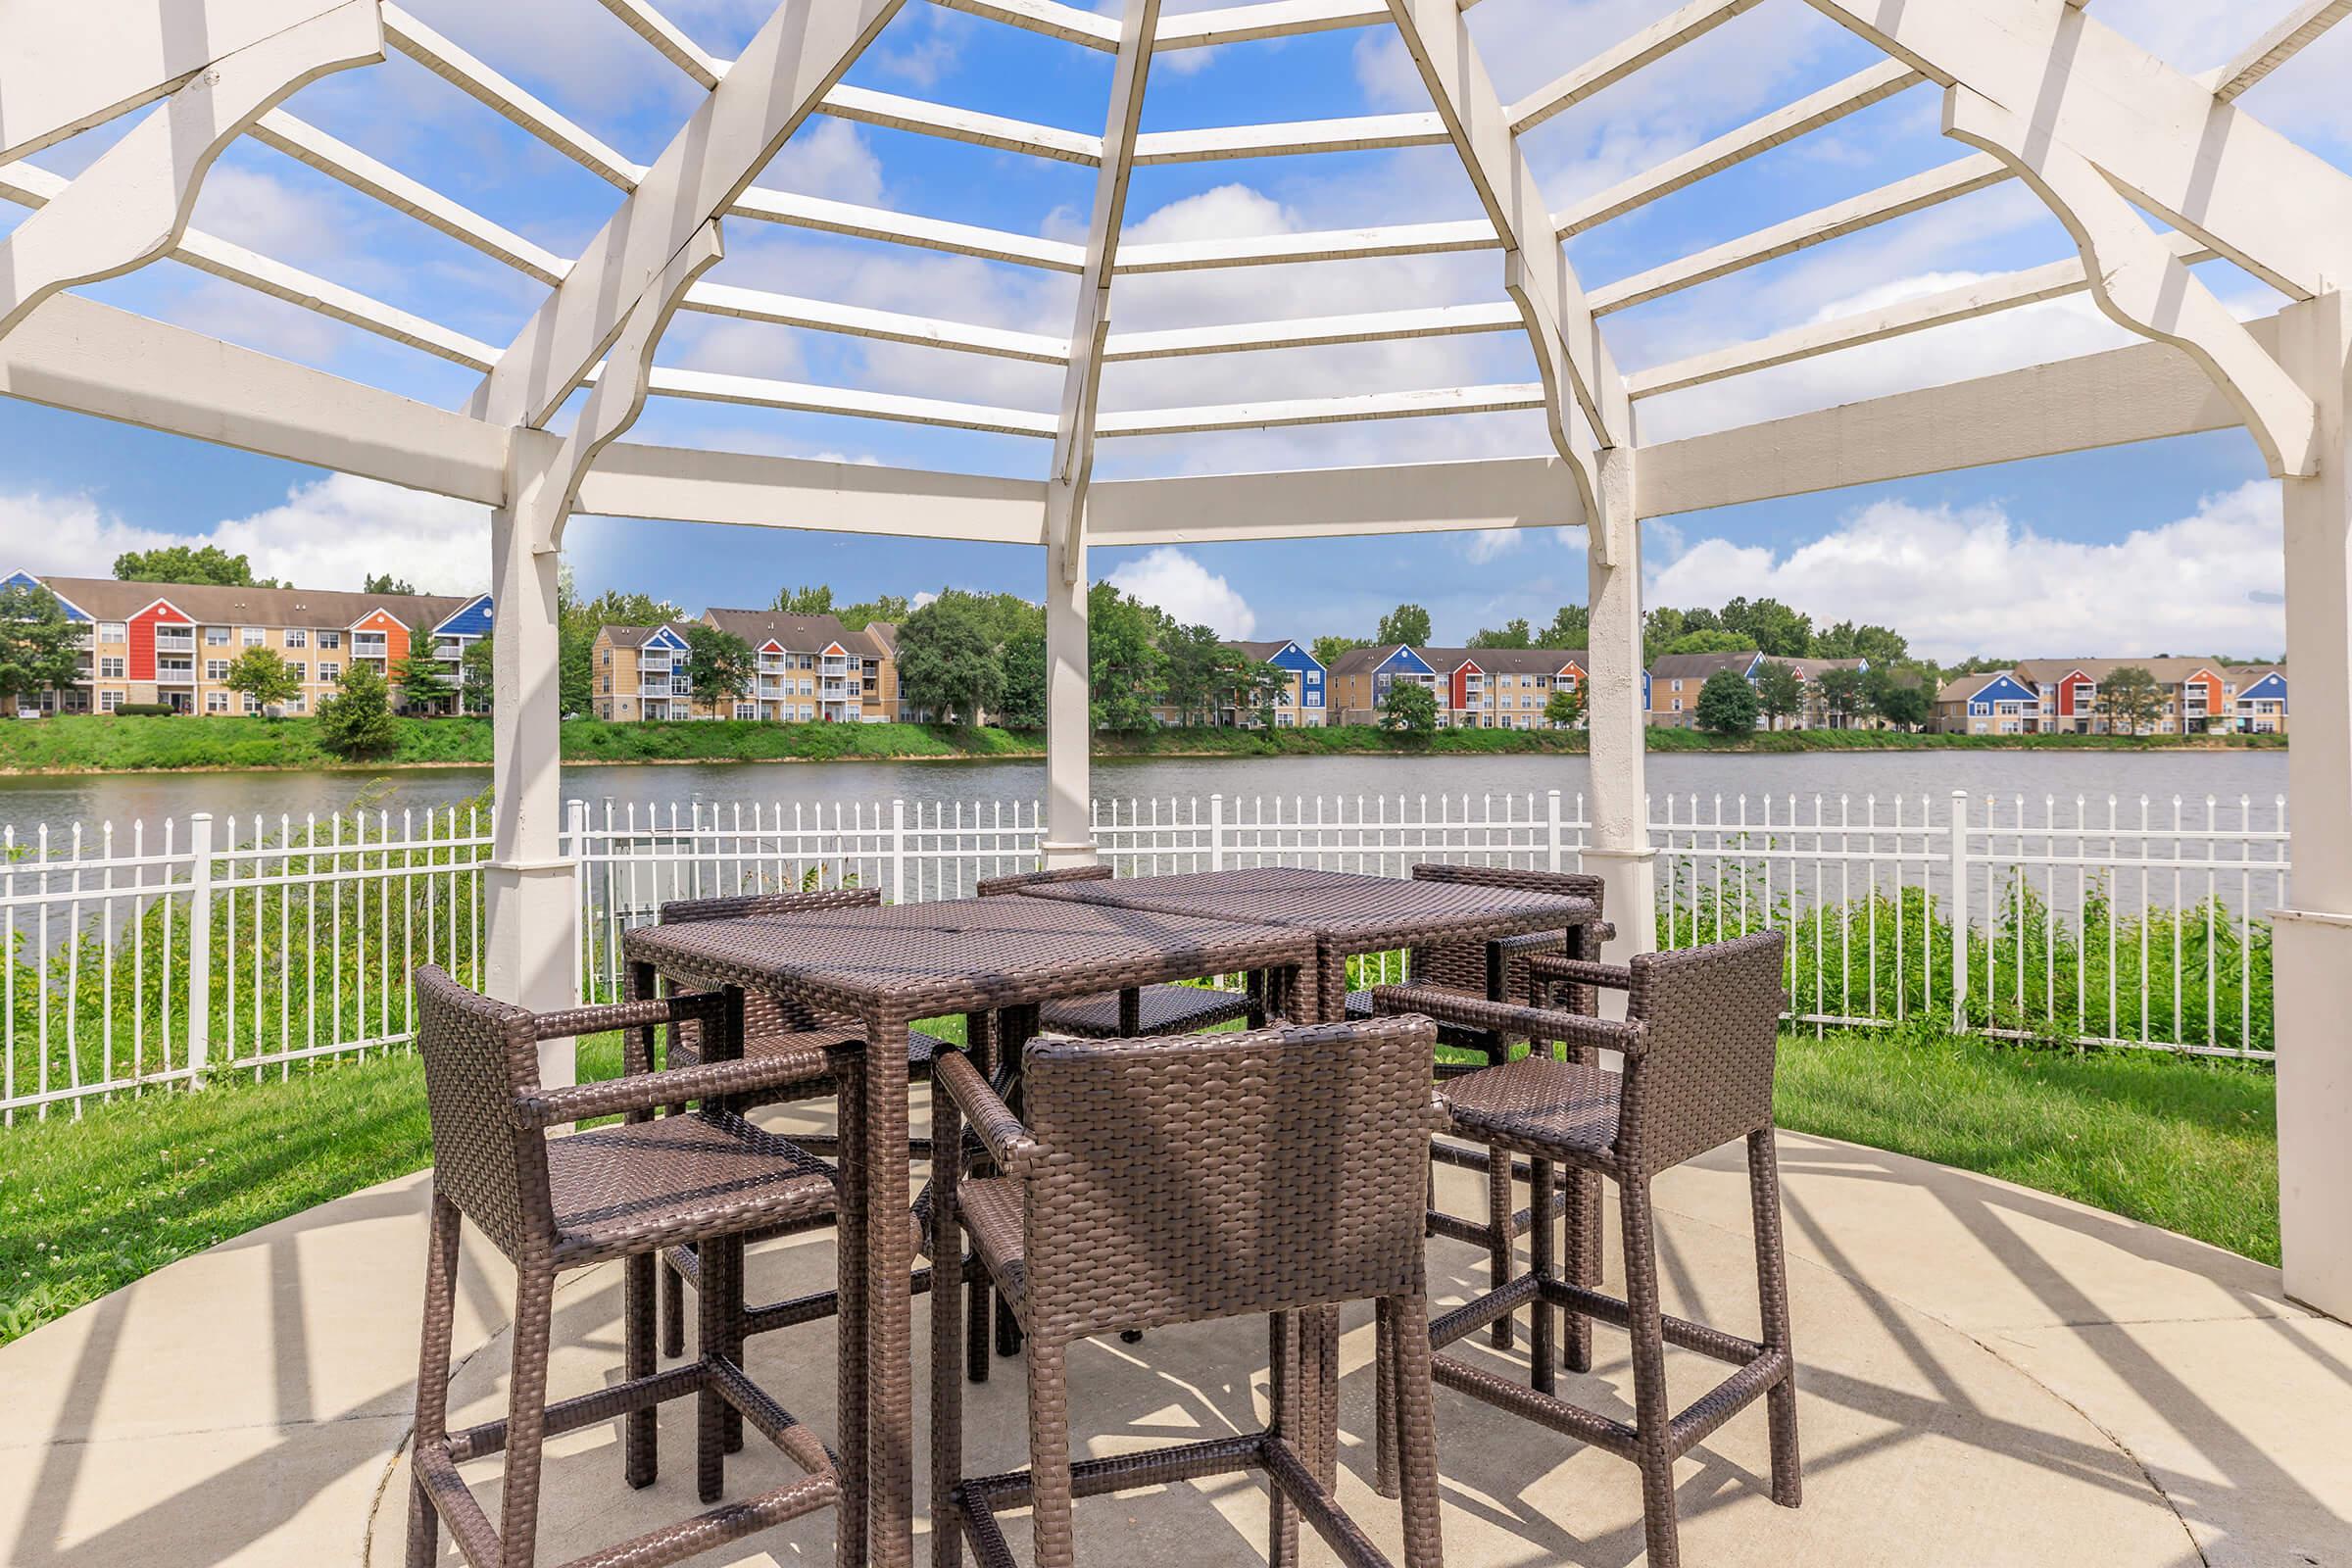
1958	910
1217	831
532	890
2312	942
1619	851
1553	845
200	945
1069	728
898	850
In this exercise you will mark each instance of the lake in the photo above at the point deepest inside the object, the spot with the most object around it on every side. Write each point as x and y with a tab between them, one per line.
27	802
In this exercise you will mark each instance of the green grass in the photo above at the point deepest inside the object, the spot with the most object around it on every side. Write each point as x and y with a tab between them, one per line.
104	744
87	1208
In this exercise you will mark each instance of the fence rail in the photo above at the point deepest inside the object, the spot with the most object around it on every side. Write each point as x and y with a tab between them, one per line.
147	955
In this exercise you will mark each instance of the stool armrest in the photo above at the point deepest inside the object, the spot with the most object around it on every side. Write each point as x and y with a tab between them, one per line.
692	1006
1583	971
1000	1131
649	1091
1509	1018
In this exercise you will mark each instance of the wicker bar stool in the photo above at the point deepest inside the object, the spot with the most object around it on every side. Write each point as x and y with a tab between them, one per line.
1698	1041
777	1028
1138	1010
1159	1181
1496	971
557	1204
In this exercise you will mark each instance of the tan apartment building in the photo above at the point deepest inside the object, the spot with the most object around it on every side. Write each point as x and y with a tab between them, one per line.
808	669
1670	689
1475	688
2062	697
1301	702
173	642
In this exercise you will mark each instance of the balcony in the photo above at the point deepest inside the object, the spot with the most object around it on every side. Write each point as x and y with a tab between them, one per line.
175	673
449	650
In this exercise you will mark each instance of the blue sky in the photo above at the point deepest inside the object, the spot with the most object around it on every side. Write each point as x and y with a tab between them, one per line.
2132	551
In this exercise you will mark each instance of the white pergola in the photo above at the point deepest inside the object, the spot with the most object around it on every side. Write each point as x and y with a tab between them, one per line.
2040	90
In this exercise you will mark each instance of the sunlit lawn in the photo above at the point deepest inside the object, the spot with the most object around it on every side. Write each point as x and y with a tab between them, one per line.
87	1208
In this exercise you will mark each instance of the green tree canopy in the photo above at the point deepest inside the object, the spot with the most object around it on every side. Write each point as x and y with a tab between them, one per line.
1571	628
719	663
2130	700
383	582
422	680
1327	648
1510	634
357	721
1123	652
816	599
1780	692
1193	661
1845	640
948	659
882	607
39	647
1023	704
1844	694
1727	704
198	563
476	677
1901	694
263	675
1710	641
1565	707
1411	706
1406	624
1770	625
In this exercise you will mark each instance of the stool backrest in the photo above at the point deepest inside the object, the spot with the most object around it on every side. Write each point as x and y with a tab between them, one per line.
1223	1174
1712	1020
991	887
764	1013
480	1055
1462	965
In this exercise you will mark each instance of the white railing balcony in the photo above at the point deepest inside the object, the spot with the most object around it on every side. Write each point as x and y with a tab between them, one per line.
175	672
176	642
364	646
448	649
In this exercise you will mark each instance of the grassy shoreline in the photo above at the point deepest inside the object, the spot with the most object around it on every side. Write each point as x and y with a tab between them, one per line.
94	744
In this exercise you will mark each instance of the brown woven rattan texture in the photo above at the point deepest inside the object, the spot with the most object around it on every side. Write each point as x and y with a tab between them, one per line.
552	1203
885	966
1698	1041
1166	1181
1162	1010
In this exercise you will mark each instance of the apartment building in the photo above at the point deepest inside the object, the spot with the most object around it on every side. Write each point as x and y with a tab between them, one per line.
1475	688
1299	702
2061	696
809	669
173	642
1670	692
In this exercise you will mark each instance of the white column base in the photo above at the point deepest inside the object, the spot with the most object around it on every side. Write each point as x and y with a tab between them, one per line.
1058	856
531	915
2311	952
1630	902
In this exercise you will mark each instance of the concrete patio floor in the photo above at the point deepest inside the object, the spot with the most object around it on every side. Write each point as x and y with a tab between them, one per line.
1989	1376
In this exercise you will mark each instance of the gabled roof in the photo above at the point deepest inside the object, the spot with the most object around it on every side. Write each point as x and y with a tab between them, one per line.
209	603
798	634
2168	672
1698	667
25	579
469	620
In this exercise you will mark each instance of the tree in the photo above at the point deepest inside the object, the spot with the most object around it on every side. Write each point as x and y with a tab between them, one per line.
1903	695
882	607
1125	666
1877	644
1023	704
263	677
1328	647
422	682
2130	700
1844	695
1780	692
1710	641
720	665
358	722
1511	634
1572	627
1566	708
197	563
40	649
477	682
1727	704
383	582
947	660
1194	662
1406	624
1411	706
1259	688
1771	625
817	600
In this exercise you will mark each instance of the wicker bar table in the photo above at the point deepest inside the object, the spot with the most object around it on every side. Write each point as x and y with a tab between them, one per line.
887	966
1349	913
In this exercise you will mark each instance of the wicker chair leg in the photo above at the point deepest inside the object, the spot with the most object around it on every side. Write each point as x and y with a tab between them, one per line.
1008	1329
1413	1428
946	1243
637	1432
1282	1404
433	1371
1771	1290
720	1284
1384	1398
1498	1238
527	1413
976	1296
673	1310
1049	1520
1540	1185
1653	1415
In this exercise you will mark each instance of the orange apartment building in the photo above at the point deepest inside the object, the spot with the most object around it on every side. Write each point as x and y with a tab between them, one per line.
173	642
809	669
1476	688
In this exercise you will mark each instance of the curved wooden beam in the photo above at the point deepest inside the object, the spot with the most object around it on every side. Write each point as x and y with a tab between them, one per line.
626	379
133	204
2141	283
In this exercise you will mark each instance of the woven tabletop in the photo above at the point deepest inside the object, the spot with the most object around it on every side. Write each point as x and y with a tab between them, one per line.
927	959
1348	911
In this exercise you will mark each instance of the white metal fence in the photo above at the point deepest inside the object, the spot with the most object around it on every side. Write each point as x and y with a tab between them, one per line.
156	955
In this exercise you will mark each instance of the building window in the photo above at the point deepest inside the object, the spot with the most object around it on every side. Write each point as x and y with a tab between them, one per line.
215	636
107	702
216	670
294	704
216	702
111	631
297	637
110	667
297	669
329	672
255	637
746	709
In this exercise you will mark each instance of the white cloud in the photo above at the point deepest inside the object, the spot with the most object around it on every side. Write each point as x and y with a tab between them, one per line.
1979	581
1188	591
920	600
331	533
1489	543
828	158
